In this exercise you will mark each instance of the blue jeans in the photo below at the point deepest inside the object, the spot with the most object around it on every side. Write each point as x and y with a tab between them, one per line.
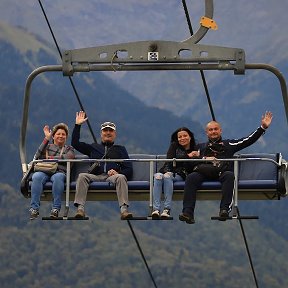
38	181
164	182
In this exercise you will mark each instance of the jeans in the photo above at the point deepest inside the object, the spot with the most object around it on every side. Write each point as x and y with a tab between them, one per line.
164	182
38	181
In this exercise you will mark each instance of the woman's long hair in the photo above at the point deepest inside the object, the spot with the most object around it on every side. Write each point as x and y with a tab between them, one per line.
174	136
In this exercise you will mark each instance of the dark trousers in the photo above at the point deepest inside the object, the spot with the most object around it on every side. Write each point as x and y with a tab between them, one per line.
193	183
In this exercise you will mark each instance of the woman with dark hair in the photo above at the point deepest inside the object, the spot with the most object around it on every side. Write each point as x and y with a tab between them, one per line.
55	150
182	146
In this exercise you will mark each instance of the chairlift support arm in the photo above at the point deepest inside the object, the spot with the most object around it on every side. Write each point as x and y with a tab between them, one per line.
163	66
153	55
149	55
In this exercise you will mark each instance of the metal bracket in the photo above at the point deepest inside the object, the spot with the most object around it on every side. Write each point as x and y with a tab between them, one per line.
157	54
153	55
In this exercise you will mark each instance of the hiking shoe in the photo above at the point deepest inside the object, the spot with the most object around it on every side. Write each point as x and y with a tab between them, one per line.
54	213
125	215
155	214
80	214
34	213
186	218
165	213
223	215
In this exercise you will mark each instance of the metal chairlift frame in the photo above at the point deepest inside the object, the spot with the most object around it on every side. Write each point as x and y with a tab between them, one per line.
149	56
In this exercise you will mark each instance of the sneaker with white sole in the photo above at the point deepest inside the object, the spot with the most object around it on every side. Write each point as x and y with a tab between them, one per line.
54	213
34	213
165	213
155	214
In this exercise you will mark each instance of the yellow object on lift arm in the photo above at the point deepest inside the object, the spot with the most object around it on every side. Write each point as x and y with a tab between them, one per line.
208	23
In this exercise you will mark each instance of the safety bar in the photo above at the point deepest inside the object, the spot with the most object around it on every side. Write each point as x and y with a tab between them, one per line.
152	171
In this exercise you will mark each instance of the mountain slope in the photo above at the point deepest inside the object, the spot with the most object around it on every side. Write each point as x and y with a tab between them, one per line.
103	252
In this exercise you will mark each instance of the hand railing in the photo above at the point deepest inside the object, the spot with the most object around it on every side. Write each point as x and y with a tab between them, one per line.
152	171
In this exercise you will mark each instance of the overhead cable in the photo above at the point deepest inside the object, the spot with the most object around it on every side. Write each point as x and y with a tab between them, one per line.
70	79
91	131
201	71
213	117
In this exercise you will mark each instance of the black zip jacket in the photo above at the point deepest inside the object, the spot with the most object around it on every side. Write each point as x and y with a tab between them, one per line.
103	151
227	148
182	168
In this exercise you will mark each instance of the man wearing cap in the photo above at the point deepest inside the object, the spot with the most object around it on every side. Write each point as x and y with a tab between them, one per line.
116	173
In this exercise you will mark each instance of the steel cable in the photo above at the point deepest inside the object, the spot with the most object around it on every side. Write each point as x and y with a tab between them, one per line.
213	117
201	71
91	131
70	79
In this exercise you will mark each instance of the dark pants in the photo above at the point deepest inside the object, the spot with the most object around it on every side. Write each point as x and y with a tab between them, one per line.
193	183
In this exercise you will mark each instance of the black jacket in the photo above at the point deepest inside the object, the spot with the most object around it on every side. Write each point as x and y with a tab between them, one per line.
103	151
182	168
227	148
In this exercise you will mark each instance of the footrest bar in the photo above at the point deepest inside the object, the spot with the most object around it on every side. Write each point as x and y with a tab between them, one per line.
237	217
64	218
52	218
74	218
137	218
161	219
148	218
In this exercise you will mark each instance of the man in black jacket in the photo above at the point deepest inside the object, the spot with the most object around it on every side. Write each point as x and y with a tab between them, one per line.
116	173
217	170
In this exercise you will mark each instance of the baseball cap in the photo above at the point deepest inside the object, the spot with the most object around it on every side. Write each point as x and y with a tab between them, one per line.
110	125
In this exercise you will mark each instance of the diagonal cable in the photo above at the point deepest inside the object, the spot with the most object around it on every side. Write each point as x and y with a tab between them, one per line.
247	247
142	254
70	79
212	113
77	95
201	71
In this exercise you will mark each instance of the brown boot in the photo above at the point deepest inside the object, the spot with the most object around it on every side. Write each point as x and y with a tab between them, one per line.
80	214
125	215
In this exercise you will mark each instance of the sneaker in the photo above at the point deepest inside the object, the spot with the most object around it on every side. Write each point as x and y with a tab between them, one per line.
54	213
165	213
223	215
80	214
189	219
155	214
34	213
125	215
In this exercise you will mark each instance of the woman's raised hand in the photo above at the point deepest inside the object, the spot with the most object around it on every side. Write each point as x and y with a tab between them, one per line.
47	132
